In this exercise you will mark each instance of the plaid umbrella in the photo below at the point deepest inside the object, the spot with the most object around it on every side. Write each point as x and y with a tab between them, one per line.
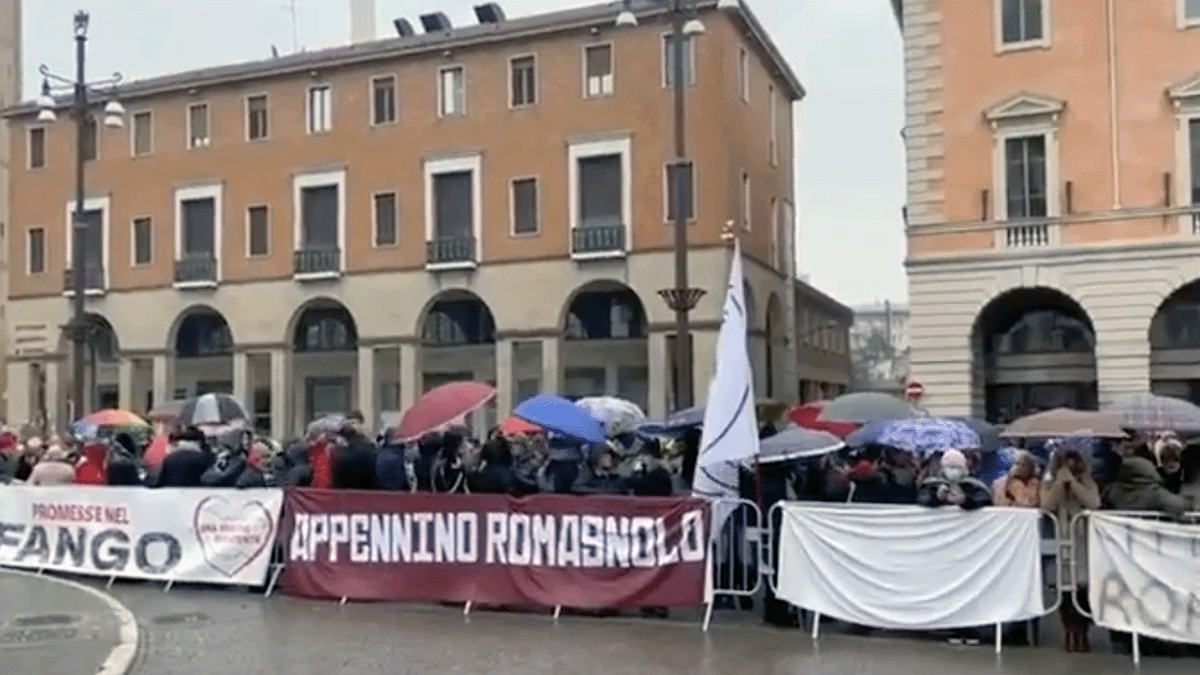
618	415
1150	412
866	406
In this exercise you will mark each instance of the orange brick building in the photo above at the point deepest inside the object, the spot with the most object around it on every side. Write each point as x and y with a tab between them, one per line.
349	227
1053	209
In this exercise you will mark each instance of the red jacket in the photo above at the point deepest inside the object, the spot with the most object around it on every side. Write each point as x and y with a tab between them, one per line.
91	471
320	458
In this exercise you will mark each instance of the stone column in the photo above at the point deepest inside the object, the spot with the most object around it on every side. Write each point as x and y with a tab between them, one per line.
241	381
410	375
658	375
552	372
281	383
125	383
366	385
504	377
163	379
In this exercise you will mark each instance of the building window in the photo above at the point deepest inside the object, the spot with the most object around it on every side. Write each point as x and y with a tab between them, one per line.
319	206
452	92
1190	10
773	244
35	250
522	81
197	228
679	179
320	109
453	205
143	133
598	70
525	206
386	219
747	202
383	100
198	135
91	140
37	147
257	118
95	231
744	74
773	123
1022	21
689	60
143	242
258	231
600	193
1025	177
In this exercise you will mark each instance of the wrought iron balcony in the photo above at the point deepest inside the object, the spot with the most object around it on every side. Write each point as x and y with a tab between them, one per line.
317	260
598	239
93	278
450	250
196	269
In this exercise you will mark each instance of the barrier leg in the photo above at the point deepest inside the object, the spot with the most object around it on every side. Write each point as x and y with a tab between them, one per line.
170	583
274	580
708	612
342	601
557	612
467	608
1137	649
111	580
816	631
40	571
999	637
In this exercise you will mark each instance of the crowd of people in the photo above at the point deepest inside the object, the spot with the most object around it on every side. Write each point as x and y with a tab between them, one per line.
1061	479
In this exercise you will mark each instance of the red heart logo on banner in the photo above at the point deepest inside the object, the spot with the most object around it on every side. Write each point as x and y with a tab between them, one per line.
232	535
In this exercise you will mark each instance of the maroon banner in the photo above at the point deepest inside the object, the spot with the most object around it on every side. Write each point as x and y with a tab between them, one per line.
541	551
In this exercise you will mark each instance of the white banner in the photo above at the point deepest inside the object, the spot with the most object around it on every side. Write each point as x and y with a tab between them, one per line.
220	536
911	567
1145	576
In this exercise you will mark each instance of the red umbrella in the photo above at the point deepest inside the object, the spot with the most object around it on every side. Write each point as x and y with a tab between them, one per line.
808	416
515	426
156	452
443	406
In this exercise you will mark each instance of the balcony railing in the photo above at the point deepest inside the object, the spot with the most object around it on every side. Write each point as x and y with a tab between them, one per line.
1027	235
196	269
317	260
598	239
93	279
450	250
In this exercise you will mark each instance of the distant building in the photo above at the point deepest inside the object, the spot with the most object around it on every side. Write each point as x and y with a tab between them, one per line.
10	93
880	339
823	351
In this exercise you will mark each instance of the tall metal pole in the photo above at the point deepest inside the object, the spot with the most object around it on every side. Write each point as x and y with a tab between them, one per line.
683	332
79	229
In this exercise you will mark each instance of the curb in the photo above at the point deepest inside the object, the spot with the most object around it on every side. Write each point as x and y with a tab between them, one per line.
120	659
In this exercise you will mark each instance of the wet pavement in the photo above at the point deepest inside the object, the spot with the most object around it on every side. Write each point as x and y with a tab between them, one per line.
50	627
201	631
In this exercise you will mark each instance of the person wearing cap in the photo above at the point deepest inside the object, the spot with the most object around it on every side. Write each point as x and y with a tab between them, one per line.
953	485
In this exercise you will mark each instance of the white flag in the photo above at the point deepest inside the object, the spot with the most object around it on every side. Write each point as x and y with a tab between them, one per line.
730	432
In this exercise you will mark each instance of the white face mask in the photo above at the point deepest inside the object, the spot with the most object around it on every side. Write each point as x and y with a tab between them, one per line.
954	473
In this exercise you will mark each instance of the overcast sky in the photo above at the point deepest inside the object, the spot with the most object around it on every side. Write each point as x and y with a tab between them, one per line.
846	52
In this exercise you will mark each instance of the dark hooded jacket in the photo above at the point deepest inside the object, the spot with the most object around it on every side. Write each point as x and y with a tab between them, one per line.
354	461
1139	487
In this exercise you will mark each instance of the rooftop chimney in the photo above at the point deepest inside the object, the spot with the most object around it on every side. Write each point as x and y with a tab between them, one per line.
362	21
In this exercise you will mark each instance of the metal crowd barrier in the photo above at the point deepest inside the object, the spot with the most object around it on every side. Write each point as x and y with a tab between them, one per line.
736	553
1052	552
1079	519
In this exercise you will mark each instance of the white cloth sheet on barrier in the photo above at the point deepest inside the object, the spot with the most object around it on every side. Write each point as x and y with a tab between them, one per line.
911	567
1144	576
220	536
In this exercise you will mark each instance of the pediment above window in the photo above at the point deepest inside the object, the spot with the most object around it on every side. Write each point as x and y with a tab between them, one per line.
1185	91
1024	107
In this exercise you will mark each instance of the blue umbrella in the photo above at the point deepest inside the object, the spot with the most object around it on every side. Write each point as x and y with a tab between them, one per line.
559	416
924	435
674	424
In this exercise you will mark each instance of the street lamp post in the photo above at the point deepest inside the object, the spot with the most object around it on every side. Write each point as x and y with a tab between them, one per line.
77	329
681	298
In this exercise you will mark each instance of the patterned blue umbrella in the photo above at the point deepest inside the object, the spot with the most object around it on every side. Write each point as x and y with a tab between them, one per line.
924	435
